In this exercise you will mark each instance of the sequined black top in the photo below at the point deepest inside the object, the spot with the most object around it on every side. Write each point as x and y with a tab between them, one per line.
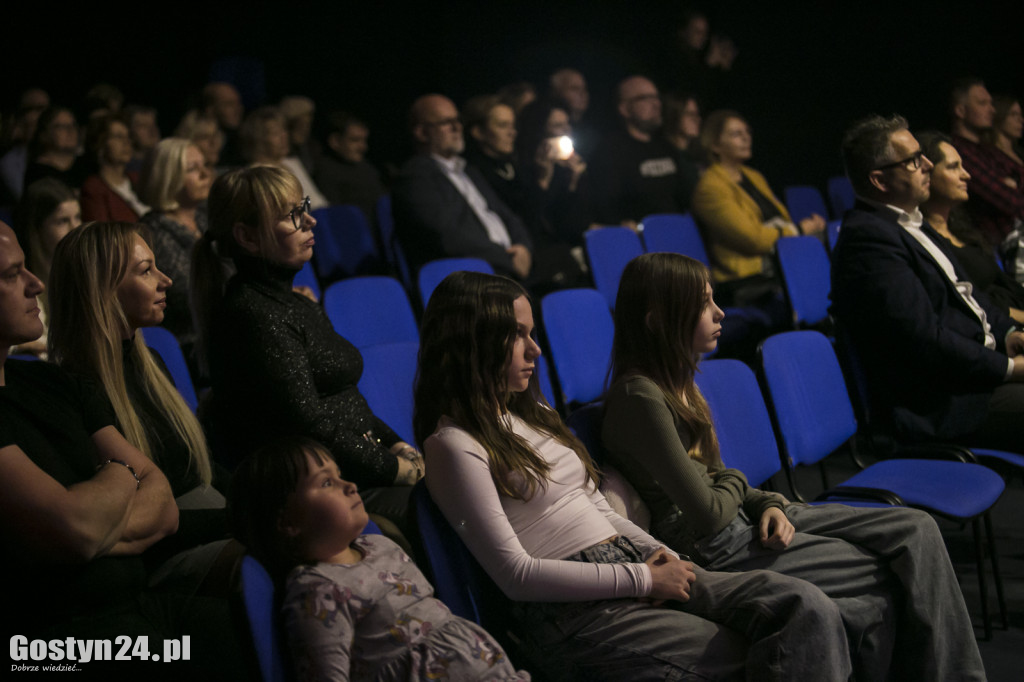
277	367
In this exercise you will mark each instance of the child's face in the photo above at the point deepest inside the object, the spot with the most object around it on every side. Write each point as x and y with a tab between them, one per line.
325	512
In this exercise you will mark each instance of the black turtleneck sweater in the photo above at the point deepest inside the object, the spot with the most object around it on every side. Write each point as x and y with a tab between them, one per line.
278	368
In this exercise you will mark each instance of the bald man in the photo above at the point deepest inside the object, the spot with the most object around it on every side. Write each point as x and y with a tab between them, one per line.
444	208
635	171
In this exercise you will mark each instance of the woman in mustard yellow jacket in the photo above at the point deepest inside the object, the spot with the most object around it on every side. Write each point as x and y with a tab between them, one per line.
740	217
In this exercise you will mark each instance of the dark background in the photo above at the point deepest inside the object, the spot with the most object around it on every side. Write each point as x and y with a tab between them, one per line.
803	72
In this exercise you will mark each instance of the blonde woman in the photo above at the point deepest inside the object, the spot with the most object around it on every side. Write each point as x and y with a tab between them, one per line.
175	182
104	286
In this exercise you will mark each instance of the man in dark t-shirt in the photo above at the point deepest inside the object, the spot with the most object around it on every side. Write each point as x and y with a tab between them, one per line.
78	503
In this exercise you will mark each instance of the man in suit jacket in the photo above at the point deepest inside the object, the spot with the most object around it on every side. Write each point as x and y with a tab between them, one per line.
941	360
442	208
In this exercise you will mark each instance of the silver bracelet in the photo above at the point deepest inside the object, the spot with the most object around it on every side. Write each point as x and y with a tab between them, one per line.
126	465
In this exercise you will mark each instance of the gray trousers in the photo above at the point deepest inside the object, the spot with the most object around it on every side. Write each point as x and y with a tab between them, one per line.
888	572
735	626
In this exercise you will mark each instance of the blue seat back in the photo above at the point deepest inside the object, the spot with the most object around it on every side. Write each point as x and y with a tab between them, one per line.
392	248
804	200
260	604
674	233
164	343
608	250
808	395
806	275
744	428
306	277
433	272
586	424
579	330
371	310
840	195
544	378
459	580
389	372
832	232
345	245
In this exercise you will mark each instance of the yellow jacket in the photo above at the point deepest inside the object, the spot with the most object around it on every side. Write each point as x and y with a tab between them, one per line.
733	225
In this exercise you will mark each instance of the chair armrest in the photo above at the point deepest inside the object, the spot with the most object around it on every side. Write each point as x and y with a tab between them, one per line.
859	493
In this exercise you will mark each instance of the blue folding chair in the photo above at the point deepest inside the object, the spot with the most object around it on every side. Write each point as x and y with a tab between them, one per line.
392	248
306	277
345	245
840	195
814	417
258	599
832	232
608	250
804	200
389	373
371	310
432	273
459	580
579	331
674	233
806	278
164	343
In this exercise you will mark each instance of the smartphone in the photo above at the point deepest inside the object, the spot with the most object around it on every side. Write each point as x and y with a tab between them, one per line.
565	147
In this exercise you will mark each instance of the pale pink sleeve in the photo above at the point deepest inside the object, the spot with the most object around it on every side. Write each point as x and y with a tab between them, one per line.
459	480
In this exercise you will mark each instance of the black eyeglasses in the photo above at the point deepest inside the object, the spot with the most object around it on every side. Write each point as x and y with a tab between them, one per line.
911	163
296	213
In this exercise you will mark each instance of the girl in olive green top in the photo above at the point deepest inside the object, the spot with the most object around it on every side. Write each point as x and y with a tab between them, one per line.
886	569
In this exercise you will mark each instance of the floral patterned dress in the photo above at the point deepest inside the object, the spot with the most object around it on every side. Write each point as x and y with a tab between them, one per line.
378	619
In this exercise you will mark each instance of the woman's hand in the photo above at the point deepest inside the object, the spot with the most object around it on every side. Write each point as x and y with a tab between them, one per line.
672	577
775	529
812	224
410	463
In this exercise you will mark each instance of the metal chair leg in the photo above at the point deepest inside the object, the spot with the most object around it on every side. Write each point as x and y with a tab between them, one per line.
994	558
979	555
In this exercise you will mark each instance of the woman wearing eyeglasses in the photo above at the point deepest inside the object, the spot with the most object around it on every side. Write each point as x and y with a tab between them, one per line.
740	217
276	365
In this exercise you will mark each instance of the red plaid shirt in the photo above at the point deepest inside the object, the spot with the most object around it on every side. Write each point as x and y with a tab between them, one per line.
994	206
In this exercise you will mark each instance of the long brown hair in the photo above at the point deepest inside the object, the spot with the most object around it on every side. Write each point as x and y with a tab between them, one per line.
466	341
660	301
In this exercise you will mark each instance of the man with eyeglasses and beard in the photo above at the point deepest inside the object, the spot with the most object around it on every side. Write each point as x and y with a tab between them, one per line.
941	362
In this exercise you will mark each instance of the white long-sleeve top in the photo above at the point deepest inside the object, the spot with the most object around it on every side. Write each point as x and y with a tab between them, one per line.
520	543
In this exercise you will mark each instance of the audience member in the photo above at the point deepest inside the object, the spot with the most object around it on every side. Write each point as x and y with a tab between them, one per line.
444	208
276	365
53	151
522	490
682	126
31	104
109	194
568	88
102	99
144	132
741	219
635	172
298	115
47	212
943	211
342	171
696	59
80	504
296	514
1007	128
997	183
204	133
886	569
222	103
265	141
175	182
940	360
106	286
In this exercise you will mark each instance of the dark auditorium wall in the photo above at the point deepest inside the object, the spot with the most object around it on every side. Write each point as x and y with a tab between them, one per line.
804	71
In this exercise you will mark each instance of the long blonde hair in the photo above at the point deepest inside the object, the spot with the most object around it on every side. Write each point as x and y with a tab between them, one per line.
86	326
